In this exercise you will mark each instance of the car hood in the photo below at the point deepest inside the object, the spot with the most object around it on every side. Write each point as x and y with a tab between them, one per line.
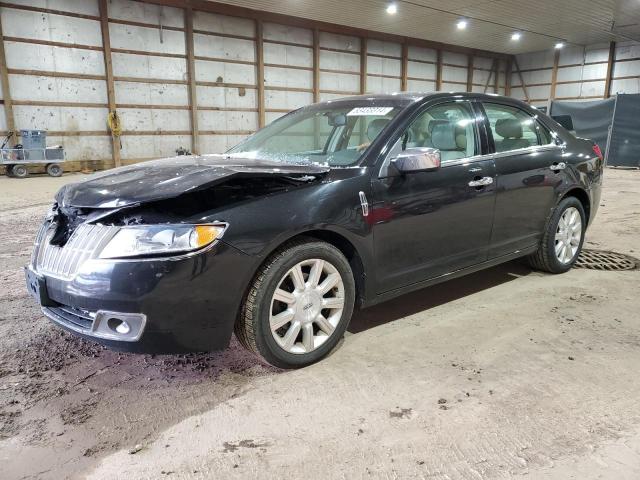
171	177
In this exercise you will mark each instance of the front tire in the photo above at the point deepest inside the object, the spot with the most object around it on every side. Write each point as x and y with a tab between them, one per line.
563	238
298	305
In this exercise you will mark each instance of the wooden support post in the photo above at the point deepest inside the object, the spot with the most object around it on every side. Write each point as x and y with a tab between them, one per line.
6	91
363	65
507	79
404	67
260	73
486	85
108	68
496	80
554	76
316	65
439	71
470	73
611	61
191	69
522	84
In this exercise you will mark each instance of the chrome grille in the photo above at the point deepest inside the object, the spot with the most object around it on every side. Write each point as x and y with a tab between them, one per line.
65	261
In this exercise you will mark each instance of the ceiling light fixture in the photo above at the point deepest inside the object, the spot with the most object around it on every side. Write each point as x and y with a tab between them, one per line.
559	45
392	8
515	36
462	24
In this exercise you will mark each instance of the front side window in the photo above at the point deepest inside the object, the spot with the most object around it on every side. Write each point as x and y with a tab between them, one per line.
513	128
334	135
448	127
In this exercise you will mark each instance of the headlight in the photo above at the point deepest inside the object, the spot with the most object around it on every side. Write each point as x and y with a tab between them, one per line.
160	239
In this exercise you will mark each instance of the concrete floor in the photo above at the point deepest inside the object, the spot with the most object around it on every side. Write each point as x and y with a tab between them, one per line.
506	373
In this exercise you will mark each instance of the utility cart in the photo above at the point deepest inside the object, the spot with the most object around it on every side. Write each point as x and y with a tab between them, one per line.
32	151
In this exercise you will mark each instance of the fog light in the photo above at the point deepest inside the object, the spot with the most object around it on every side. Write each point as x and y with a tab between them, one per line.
119	326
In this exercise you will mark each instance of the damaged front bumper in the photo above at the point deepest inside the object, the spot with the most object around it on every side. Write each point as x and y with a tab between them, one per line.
153	305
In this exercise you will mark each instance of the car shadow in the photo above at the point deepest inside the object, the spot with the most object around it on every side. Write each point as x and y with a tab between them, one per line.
436	295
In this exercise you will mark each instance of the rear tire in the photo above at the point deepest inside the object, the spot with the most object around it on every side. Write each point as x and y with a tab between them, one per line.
54	170
563	238
288	318
20	171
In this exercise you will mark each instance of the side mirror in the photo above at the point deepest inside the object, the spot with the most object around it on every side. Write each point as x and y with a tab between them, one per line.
417	160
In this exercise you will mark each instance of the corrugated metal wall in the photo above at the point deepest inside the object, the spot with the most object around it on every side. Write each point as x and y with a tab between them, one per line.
580	73
58	81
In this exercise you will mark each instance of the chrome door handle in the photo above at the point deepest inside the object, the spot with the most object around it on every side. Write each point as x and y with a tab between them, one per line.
556	167
483	182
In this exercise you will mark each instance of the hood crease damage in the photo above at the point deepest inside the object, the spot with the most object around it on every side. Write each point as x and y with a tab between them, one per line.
172	189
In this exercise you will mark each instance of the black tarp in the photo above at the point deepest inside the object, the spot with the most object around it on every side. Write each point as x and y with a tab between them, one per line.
590	119
624	143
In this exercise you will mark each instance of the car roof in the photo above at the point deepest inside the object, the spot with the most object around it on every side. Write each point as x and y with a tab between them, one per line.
407	98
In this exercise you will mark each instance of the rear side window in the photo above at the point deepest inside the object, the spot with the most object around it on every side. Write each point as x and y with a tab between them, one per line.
513	128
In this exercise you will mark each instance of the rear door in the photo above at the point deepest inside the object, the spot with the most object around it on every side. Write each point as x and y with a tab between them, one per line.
427	224
529	168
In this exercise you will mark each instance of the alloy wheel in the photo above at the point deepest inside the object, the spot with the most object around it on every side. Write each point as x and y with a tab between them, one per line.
568	235
307	306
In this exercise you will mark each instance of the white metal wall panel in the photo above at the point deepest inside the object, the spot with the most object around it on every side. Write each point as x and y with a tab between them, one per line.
223	72
631	85
278	99
52	89
84	148
421	53
420	86
226	97
151	93
338	81
219	143
421	70
84	7
26	56
146	13
380	47
340	42
586	72
71	119
227	121
146	39
143	66
146	119
454	74
152	146
287	77
382	85
211	22
383	66
340	61
222	47
285	33
288	55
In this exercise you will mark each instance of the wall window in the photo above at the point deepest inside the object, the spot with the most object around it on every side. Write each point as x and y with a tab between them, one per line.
513	128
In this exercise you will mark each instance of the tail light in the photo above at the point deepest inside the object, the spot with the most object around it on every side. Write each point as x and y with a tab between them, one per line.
597	151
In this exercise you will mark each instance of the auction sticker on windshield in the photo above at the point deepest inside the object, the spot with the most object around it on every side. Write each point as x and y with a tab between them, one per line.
359	111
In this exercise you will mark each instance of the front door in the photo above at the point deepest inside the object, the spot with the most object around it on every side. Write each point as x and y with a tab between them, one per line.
427	224
529	169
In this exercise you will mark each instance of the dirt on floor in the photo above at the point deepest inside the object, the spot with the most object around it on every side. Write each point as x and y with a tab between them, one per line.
505	373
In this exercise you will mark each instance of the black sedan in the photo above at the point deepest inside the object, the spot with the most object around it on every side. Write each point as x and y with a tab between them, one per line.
335	206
